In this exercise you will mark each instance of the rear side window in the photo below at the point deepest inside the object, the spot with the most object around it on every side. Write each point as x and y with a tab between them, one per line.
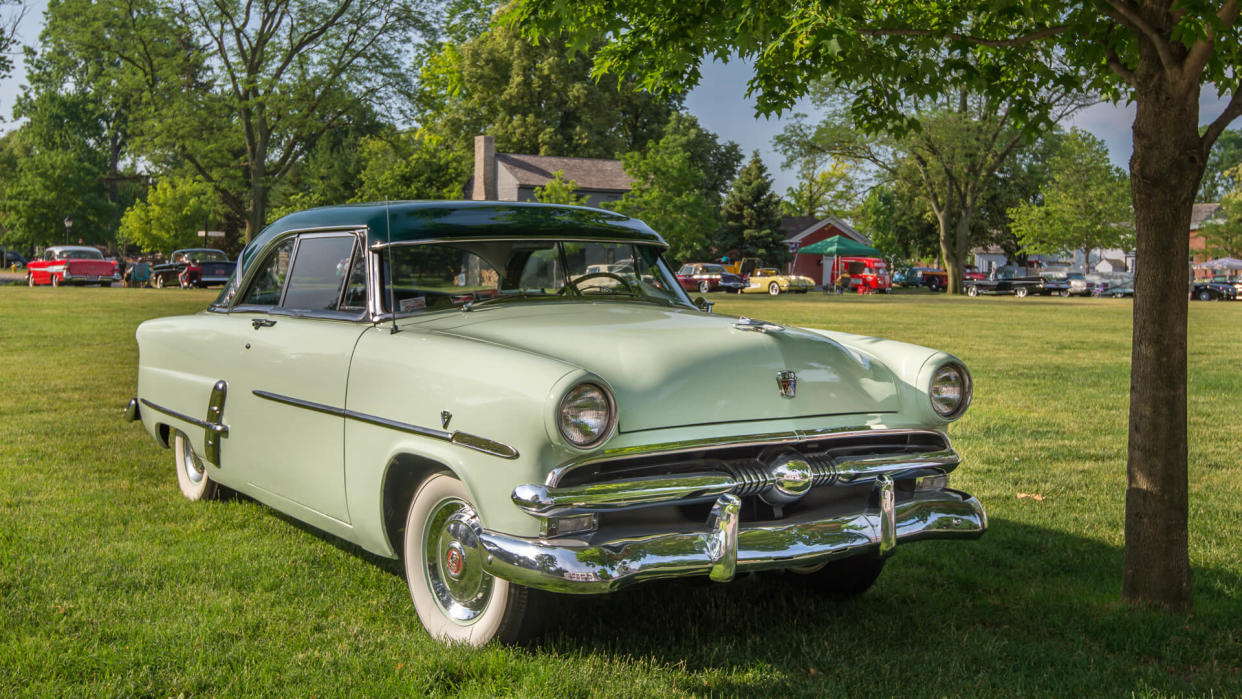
320	271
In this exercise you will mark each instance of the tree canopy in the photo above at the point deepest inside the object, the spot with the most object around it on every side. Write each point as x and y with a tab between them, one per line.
752	217
1158	54
1085	205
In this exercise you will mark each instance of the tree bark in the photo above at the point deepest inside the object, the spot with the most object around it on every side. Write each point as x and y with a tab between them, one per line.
1165	170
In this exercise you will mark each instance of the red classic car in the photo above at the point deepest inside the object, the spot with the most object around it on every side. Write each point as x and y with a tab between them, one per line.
71	264
704	277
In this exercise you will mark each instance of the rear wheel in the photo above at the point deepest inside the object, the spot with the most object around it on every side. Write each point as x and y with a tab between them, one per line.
1020	292
972	291
848	577
158	281
704	287
55	280
1205	295
456	600
774	289
192	472
934	284
1065	293
29	279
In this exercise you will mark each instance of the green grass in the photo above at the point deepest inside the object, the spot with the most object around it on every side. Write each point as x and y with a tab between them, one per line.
112	584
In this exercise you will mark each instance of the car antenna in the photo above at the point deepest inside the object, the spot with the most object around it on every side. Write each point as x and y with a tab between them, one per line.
392	294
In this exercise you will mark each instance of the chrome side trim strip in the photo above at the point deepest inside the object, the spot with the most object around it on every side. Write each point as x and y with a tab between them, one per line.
461	439
215	415
751	440
220	429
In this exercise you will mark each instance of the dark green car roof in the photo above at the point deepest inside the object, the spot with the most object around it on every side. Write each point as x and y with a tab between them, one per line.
411	221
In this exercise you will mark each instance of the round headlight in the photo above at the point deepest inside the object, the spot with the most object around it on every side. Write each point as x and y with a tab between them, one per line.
585	415
950	391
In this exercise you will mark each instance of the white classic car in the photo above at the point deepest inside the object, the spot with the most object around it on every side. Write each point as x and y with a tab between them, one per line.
520	399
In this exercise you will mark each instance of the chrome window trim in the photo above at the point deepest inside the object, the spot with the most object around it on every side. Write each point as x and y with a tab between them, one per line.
753	440
243	285
461	439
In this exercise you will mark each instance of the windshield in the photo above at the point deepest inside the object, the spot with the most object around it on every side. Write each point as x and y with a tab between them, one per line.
443	276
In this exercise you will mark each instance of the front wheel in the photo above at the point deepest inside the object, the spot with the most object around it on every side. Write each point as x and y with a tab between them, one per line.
934	285
848	577
55	280
159	281
705	287
192	472
456	600
1205	295
972	291
29	279
774	289
1020	292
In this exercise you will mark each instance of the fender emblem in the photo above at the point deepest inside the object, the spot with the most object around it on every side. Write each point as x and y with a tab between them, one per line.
445	418
787	382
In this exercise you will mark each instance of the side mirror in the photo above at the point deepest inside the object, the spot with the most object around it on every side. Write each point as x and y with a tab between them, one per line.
703	304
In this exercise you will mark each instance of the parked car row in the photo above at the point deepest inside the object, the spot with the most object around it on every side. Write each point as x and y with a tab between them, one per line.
706	277
85	265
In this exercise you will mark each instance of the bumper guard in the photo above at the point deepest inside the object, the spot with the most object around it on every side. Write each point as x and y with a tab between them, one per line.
724	547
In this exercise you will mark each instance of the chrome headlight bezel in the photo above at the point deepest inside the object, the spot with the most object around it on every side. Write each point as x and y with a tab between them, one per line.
608	426
967	390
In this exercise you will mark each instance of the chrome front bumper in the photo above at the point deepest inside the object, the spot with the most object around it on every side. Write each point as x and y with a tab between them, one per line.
725	546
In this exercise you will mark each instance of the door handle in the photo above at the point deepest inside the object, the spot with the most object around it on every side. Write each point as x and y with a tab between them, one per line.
262	323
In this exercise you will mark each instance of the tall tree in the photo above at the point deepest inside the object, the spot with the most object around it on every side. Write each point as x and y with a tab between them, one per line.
559	190
895	216
677	183
826	186
752	217
532	97
1224	158
12	12
1157	53
403	165
1224	234
1085	205
963	141
237	92
175	209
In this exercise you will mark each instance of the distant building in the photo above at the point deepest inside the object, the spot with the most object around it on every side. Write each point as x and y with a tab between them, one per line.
801	231
514	176
1201	215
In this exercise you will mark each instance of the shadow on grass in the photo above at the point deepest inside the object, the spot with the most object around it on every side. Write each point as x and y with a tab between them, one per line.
1024	609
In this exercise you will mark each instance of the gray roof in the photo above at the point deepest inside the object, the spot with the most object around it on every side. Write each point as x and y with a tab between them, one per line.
1201	214
589	173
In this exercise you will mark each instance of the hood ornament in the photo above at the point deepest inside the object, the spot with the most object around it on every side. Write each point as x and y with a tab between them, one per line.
787	382
761	326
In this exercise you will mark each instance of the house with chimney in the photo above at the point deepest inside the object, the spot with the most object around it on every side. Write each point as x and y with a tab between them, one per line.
515	176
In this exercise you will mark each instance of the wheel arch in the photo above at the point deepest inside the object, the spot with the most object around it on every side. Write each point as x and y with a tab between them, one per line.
403	475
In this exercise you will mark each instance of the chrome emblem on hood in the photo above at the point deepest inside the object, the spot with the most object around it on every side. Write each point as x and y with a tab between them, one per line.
787	382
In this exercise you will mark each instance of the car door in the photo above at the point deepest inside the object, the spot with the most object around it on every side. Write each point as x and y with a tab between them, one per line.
296	325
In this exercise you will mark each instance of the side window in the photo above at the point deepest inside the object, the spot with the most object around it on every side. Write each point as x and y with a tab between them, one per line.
320	271
270	279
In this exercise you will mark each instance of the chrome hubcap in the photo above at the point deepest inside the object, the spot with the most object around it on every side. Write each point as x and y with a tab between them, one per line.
453	564
193	467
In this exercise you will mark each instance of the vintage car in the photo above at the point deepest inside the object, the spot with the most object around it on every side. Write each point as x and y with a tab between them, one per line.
1005	280
933	279
708	277
769	280
1213	291
467	398
71	264
193	267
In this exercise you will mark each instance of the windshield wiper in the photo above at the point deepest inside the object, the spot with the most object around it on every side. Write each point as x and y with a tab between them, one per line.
471	305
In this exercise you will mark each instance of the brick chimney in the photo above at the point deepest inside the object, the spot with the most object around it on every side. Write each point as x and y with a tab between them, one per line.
484	169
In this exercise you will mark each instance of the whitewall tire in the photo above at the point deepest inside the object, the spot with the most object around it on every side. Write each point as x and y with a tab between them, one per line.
192	471
774	289
456	601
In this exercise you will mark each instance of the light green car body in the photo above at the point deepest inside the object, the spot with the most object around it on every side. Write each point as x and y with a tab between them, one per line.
488	383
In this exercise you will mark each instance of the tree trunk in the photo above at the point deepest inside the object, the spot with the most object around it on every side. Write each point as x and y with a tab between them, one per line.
1165	170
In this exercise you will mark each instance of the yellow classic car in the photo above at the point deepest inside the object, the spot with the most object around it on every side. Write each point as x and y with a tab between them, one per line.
770	280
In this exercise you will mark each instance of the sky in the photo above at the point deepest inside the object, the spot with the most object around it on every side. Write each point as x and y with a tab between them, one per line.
720	104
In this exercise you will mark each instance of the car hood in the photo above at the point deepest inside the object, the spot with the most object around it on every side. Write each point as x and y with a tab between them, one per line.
675	367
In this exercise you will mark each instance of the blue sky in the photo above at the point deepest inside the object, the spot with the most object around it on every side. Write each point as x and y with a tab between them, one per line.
721	105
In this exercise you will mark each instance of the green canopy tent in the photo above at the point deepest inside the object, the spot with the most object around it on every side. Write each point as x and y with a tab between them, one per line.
839	246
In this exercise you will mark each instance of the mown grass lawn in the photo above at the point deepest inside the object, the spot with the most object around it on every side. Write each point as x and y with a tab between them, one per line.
112	584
